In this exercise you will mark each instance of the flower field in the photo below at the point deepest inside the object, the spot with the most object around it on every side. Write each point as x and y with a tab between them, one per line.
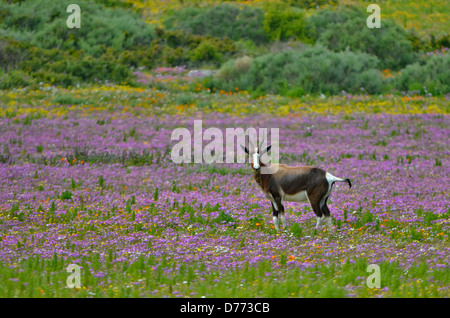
92	203
87	179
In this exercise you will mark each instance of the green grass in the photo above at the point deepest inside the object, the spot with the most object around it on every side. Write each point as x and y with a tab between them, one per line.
148	277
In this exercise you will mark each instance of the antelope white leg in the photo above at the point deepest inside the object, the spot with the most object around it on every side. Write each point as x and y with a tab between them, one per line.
275	222
319	222
283	220
330	225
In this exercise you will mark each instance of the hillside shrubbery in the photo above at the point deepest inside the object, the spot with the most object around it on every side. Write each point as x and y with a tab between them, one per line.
35	41
43	23
295	73
56	67
271	48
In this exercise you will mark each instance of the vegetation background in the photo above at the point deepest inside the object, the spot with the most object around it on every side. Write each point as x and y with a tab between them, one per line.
288	47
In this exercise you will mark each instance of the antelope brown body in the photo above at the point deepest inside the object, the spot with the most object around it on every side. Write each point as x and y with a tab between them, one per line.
295	184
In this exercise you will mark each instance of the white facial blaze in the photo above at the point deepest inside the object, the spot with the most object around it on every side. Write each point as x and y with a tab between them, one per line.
256	159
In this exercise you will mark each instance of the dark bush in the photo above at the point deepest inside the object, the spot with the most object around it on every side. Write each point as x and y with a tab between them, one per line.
174	48
309	4
220	21
12	53
206	51
67	68
282	22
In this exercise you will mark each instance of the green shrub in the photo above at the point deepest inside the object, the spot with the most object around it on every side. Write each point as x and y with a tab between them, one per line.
173	48
346	28
282	22
308	4
431	75
233	68
59	79
104	68
311	70
424	44
12	53
36	46
15	78
43	23
115	3
205	51
220	21
72	67
111	41
139	56
173	56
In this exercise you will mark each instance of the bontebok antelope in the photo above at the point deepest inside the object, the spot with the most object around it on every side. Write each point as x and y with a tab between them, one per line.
294	184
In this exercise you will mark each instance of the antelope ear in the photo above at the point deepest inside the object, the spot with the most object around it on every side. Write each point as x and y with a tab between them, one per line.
244	148
267	149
